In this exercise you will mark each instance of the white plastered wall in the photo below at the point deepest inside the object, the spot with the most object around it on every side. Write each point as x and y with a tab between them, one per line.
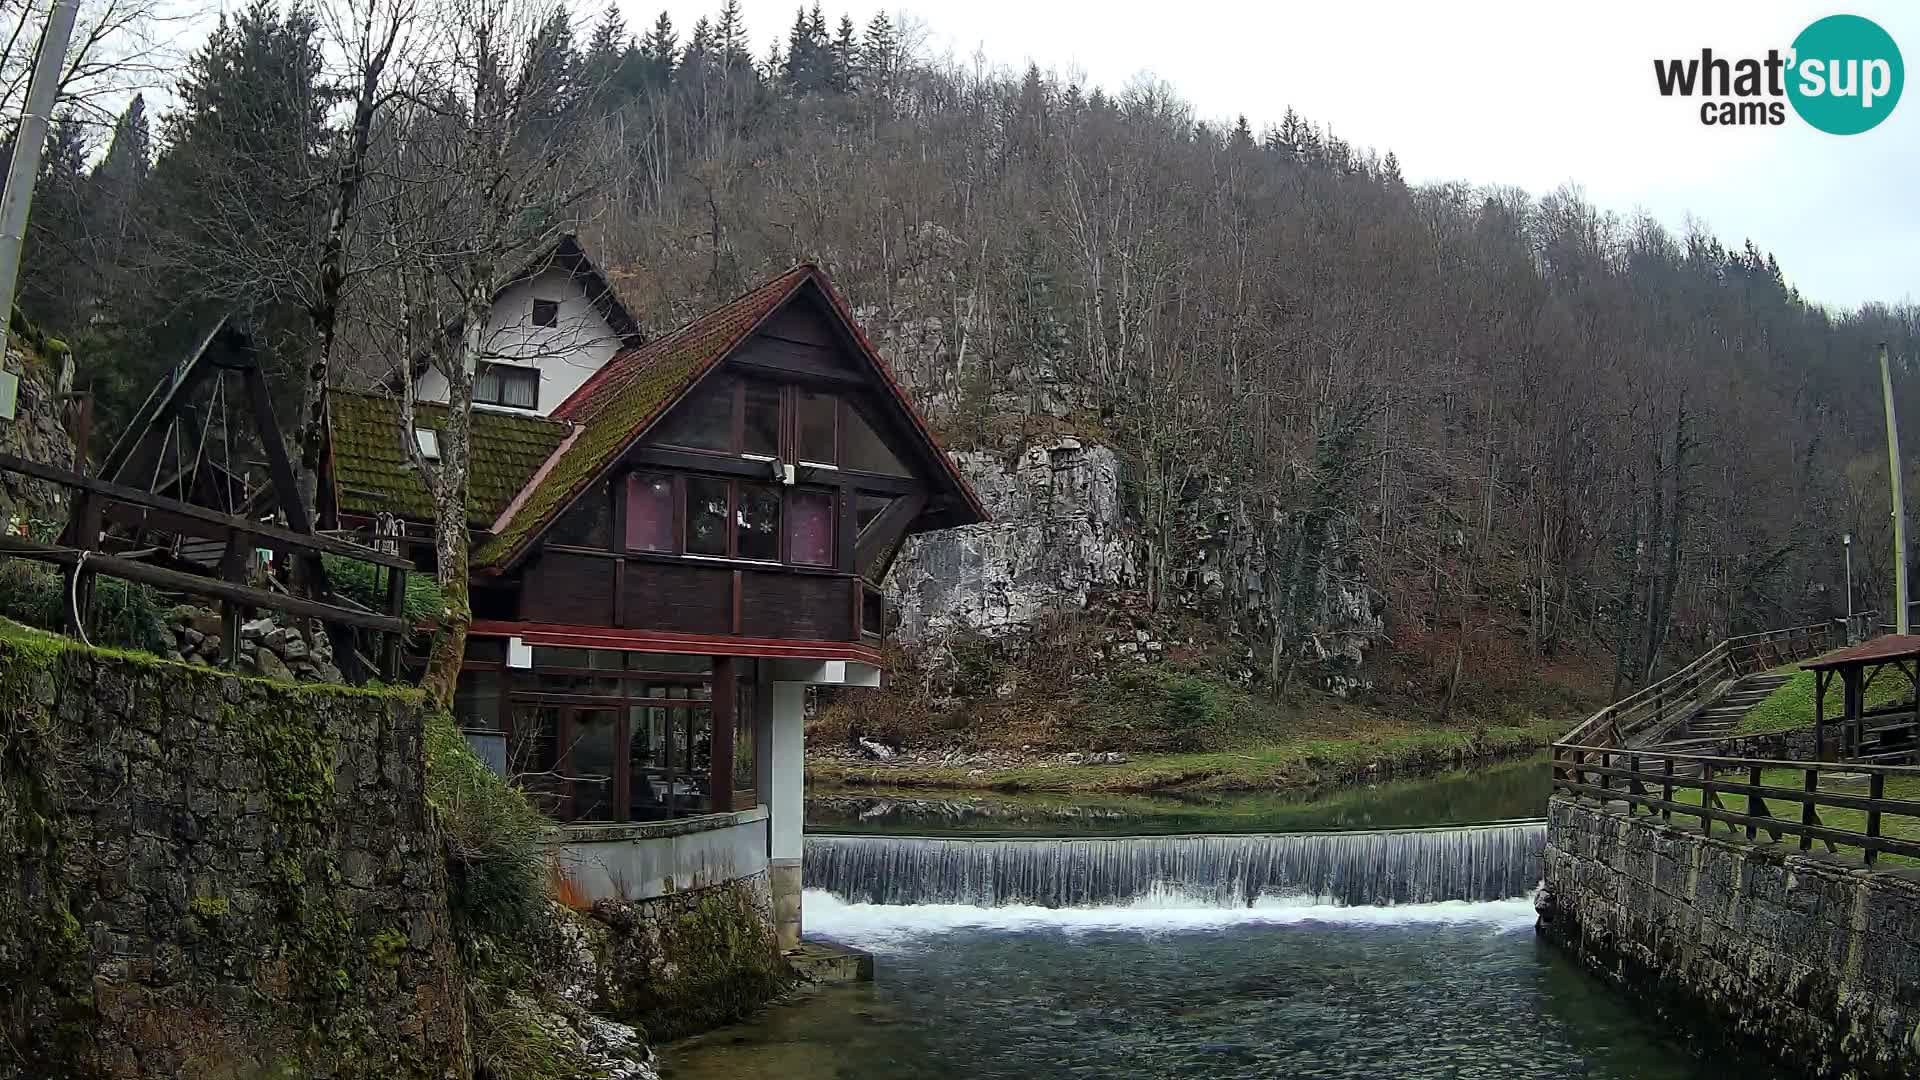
578	344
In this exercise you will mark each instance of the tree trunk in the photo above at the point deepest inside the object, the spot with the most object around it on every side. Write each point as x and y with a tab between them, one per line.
325	311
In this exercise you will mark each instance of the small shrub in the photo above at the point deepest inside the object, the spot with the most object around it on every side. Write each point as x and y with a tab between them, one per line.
496	866
125	615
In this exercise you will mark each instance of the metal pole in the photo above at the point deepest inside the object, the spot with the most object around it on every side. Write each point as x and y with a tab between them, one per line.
1846	544
28	143
1899	503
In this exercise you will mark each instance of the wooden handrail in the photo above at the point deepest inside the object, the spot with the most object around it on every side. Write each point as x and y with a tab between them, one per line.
1645	779
1679	692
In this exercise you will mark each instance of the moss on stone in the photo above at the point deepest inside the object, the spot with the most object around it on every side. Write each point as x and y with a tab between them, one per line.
692	961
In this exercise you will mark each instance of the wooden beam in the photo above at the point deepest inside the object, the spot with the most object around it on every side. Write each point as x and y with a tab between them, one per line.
285	488
884	531
114	566
261	529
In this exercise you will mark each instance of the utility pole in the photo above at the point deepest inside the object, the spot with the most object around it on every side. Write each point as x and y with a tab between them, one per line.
28	143
1899	503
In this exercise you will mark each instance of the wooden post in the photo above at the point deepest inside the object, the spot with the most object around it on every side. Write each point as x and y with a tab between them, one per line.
1876	790
1807	815
1755	806
1666	789
396	607
1706	797
725	706
233	567
1820	715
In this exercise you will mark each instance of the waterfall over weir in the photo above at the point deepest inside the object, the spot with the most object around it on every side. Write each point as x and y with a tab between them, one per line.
1412	866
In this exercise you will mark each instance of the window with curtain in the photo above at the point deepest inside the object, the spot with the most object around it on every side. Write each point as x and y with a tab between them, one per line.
506	385
809	523
649	512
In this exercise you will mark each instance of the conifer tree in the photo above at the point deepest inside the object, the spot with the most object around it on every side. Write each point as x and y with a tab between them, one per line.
659	51
844	56
879	55
730	38
600	68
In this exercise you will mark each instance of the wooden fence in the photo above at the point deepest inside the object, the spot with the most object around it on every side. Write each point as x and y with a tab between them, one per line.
1858	813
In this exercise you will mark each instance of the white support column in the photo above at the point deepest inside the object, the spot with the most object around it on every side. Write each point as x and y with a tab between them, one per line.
786	808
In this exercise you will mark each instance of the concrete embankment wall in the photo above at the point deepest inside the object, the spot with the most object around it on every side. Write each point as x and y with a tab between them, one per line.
1794	958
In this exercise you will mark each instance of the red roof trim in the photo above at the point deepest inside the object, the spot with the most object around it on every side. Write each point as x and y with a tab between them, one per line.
608	637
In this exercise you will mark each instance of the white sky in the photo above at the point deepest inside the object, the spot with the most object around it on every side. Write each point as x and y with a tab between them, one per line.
1533	94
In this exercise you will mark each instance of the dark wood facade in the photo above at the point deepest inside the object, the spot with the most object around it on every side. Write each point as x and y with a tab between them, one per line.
750	523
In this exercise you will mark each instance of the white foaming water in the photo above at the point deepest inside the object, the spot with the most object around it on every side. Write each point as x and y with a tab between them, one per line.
884	927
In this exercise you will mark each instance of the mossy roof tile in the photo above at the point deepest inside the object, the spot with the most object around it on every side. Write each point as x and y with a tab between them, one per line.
372	472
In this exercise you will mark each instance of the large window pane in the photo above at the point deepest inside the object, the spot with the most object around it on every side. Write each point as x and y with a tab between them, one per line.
757	522
504	384
704	421
816	420
760	433
647	758
810	528
693	767
588	522
866	451
592	764
706	516
533	755
476	700
649	512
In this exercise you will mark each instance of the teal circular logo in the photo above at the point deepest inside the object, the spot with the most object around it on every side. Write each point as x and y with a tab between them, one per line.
1846	76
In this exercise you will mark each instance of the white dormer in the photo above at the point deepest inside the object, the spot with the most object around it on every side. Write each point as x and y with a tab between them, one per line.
549	330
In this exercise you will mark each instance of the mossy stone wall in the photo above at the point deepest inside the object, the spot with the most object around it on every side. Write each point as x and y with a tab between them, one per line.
693	960
210	876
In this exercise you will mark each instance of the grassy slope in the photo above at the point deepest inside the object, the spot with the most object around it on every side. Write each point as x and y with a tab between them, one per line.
1791	706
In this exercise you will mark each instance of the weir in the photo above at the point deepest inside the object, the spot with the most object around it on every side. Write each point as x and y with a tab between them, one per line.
1407	866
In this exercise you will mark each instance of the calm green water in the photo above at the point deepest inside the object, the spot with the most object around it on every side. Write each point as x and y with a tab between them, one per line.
1446	990
1499	793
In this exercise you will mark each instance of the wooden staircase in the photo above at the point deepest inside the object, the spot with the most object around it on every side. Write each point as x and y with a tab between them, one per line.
1718	720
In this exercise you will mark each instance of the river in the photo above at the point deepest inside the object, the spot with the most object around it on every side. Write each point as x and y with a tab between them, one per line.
1349	946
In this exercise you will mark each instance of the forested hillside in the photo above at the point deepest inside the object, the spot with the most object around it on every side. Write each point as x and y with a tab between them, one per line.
1516	431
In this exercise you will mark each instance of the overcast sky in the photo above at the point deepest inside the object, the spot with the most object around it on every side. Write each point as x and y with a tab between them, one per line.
1533	94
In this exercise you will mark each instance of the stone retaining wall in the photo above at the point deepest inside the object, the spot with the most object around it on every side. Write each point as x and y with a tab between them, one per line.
1801	960
204	875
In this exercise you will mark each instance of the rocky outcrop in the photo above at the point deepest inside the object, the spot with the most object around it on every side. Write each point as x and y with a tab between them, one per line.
1058	540
37	434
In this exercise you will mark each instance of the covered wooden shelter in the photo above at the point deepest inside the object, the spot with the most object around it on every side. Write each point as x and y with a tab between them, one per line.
1884	734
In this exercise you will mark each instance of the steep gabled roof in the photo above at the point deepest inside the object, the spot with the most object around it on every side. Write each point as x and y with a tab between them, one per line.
372	473
617	405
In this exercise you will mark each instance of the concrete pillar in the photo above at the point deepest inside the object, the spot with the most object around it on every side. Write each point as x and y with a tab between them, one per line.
786	808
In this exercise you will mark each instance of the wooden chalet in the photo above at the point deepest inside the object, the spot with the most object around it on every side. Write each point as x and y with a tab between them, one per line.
665	554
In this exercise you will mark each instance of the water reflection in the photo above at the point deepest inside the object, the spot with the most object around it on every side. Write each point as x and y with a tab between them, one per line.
1499	793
